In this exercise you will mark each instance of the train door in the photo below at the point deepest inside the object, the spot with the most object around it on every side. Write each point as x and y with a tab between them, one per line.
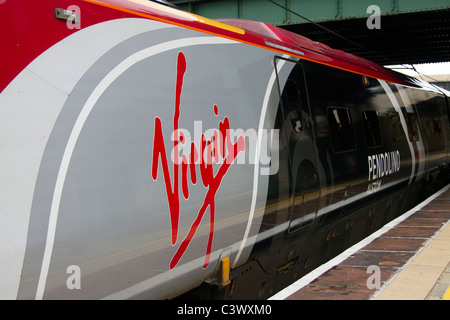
297	135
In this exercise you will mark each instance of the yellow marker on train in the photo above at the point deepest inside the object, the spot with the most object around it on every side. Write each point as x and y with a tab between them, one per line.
225	275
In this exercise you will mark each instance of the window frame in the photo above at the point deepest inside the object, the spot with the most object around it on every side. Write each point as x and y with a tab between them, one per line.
332	132
367	129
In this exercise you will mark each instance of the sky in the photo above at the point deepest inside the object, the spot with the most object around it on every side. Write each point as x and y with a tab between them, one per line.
426	69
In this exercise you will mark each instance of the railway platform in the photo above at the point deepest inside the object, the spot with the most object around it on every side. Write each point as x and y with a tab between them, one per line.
408	259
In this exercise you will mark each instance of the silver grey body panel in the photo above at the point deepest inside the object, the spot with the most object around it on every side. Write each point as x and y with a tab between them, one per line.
110	218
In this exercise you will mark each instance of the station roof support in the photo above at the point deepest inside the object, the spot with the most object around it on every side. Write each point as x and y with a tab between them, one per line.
409	31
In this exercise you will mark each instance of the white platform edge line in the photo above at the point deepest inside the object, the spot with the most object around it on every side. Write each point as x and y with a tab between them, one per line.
424	246
308	278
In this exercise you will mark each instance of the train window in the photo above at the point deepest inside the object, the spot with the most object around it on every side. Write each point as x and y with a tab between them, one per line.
292	104
341	129
413	130
371	127
395	127
431	127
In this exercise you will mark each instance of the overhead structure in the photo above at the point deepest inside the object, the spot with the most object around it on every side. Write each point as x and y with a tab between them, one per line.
384	31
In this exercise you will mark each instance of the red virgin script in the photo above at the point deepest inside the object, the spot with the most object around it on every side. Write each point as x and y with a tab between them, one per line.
221	148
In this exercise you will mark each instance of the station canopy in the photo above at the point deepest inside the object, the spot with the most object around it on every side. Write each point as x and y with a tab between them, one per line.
410	31
410	38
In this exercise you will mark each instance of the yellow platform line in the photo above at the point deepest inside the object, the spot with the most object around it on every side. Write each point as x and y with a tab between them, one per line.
446	296
418	278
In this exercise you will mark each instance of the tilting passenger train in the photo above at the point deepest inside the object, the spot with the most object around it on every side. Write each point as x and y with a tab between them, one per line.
150	153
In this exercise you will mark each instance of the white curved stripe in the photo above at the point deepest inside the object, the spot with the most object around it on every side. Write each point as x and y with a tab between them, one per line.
72	50
81	120
397	108
314	274
29	108
262	117
419	143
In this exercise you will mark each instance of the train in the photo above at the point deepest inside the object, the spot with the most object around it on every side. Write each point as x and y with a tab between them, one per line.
151	153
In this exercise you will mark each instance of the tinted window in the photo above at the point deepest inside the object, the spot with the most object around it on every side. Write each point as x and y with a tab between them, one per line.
395	127
372	132
341	129
413	129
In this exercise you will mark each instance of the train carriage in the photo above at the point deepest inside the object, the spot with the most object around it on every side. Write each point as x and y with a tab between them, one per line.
150	153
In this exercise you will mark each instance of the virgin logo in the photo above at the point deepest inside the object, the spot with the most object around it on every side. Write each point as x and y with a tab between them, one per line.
219	149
